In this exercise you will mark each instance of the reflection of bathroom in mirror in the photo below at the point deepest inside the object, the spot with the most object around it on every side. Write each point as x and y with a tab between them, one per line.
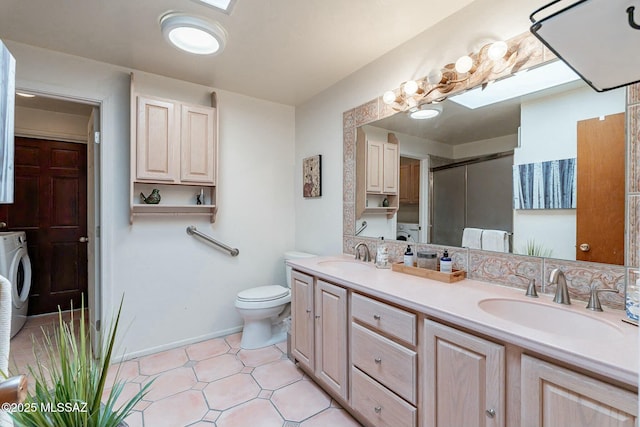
457	170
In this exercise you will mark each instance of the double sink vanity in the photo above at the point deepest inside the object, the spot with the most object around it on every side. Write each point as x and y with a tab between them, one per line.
398	350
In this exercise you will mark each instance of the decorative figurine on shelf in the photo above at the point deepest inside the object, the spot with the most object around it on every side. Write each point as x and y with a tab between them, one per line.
385	203
200	197
152	199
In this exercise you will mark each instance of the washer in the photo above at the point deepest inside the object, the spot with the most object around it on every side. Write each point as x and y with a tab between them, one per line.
15	265
408	232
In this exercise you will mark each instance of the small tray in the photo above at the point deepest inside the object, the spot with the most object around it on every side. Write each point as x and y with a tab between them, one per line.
456	276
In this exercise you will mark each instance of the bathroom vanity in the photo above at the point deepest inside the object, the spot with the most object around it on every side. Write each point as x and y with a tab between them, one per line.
399	350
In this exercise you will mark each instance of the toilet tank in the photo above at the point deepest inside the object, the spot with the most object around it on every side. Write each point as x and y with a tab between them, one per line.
293	255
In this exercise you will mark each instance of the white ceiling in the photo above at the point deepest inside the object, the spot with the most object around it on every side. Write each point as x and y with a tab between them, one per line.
285	51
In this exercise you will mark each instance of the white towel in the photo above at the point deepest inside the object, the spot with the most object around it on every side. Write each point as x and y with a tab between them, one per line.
495	240
472	238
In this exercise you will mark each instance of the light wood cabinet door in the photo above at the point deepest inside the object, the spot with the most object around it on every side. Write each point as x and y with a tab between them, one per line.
464	379
414	195
405	184
157	134
197	145
391	163
302	319
556	397
375	166
331	336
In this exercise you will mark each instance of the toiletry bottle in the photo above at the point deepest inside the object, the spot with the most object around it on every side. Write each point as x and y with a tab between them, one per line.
382	255
446	266
633	300
408	257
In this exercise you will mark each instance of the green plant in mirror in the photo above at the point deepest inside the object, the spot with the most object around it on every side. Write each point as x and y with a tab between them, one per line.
70	382
532	248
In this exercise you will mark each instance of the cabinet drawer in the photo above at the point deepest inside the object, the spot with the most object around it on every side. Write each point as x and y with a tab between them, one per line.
378	405
384	360
390	320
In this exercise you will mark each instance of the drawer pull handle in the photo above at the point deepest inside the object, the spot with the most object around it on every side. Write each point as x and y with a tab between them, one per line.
376	316
378	409
491	413
317	316
308	311
377	360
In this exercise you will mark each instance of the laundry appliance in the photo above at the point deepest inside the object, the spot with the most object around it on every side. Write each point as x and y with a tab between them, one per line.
15	265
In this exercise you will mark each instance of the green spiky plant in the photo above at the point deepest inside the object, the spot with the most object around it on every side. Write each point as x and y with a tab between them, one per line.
70	381
536	249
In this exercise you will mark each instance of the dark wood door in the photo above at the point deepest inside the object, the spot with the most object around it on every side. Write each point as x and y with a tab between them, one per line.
51	206
601	190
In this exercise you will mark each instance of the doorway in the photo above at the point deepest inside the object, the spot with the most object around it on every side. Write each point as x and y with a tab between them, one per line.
57	180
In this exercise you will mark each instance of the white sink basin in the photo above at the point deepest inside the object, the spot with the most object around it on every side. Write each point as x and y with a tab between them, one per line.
346	264
549	318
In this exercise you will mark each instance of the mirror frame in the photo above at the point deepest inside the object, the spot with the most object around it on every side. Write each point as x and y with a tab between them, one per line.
497	267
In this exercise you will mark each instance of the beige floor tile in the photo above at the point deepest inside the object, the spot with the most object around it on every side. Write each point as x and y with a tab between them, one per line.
217	367
300	400
260	356
207	349
163	361
277	374
171	382
178	410
331	417
231	391
255	413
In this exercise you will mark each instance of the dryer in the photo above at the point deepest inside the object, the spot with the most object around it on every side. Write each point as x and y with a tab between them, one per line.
15	265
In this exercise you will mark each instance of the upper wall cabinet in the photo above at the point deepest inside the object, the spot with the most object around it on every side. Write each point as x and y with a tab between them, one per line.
174	150
377	165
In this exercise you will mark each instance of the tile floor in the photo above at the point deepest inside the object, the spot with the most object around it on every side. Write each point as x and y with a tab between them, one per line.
213	383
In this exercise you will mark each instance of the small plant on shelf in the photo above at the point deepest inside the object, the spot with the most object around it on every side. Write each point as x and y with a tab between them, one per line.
533	248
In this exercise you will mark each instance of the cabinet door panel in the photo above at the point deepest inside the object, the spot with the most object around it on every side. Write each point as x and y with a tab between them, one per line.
391	164
157	140
302	319
198	145
331	336
556	397
465	378
375	159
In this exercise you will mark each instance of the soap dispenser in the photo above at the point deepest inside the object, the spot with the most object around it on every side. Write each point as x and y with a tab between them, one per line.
408	256
446	266
382	255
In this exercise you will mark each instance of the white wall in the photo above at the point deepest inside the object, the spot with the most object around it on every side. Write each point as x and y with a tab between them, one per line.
34	123
549	132
178	289
319	121
485	146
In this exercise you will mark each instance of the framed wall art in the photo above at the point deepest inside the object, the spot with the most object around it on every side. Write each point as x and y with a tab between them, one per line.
312	176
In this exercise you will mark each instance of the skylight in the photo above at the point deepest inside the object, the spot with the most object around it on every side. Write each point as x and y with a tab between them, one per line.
519	84
225	6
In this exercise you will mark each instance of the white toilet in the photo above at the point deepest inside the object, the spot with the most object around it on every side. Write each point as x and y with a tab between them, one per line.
264	308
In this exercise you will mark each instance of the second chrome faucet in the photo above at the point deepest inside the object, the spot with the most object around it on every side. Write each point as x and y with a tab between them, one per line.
562	291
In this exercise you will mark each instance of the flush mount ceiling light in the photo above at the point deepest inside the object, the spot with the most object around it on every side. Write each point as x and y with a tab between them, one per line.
599	39
425	111
193	34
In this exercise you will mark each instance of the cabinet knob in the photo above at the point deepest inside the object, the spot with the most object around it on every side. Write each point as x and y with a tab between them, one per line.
377	360
378	409
308	310
317	316
490	413
376	316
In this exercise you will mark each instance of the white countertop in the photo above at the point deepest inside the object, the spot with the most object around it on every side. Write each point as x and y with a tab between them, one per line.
612	355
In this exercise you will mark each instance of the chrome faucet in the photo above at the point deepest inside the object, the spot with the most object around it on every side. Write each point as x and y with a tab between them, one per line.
562	292
367	255
594	301
531	288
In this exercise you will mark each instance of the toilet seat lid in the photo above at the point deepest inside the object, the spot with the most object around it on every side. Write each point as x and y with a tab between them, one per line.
263	293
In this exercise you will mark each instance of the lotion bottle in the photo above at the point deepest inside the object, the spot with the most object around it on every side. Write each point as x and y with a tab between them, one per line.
446	266
408	257
382	255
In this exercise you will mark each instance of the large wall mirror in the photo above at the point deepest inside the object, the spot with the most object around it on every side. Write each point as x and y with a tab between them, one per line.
546	166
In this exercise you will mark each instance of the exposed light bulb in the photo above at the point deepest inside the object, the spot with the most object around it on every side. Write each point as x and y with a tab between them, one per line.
434	77
389	97
410	87
464	64
497	50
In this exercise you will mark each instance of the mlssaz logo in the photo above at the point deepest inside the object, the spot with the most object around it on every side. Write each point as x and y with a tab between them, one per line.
632	22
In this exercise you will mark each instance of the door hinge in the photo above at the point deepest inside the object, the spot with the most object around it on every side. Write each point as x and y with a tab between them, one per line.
98	325
96	137
97	231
